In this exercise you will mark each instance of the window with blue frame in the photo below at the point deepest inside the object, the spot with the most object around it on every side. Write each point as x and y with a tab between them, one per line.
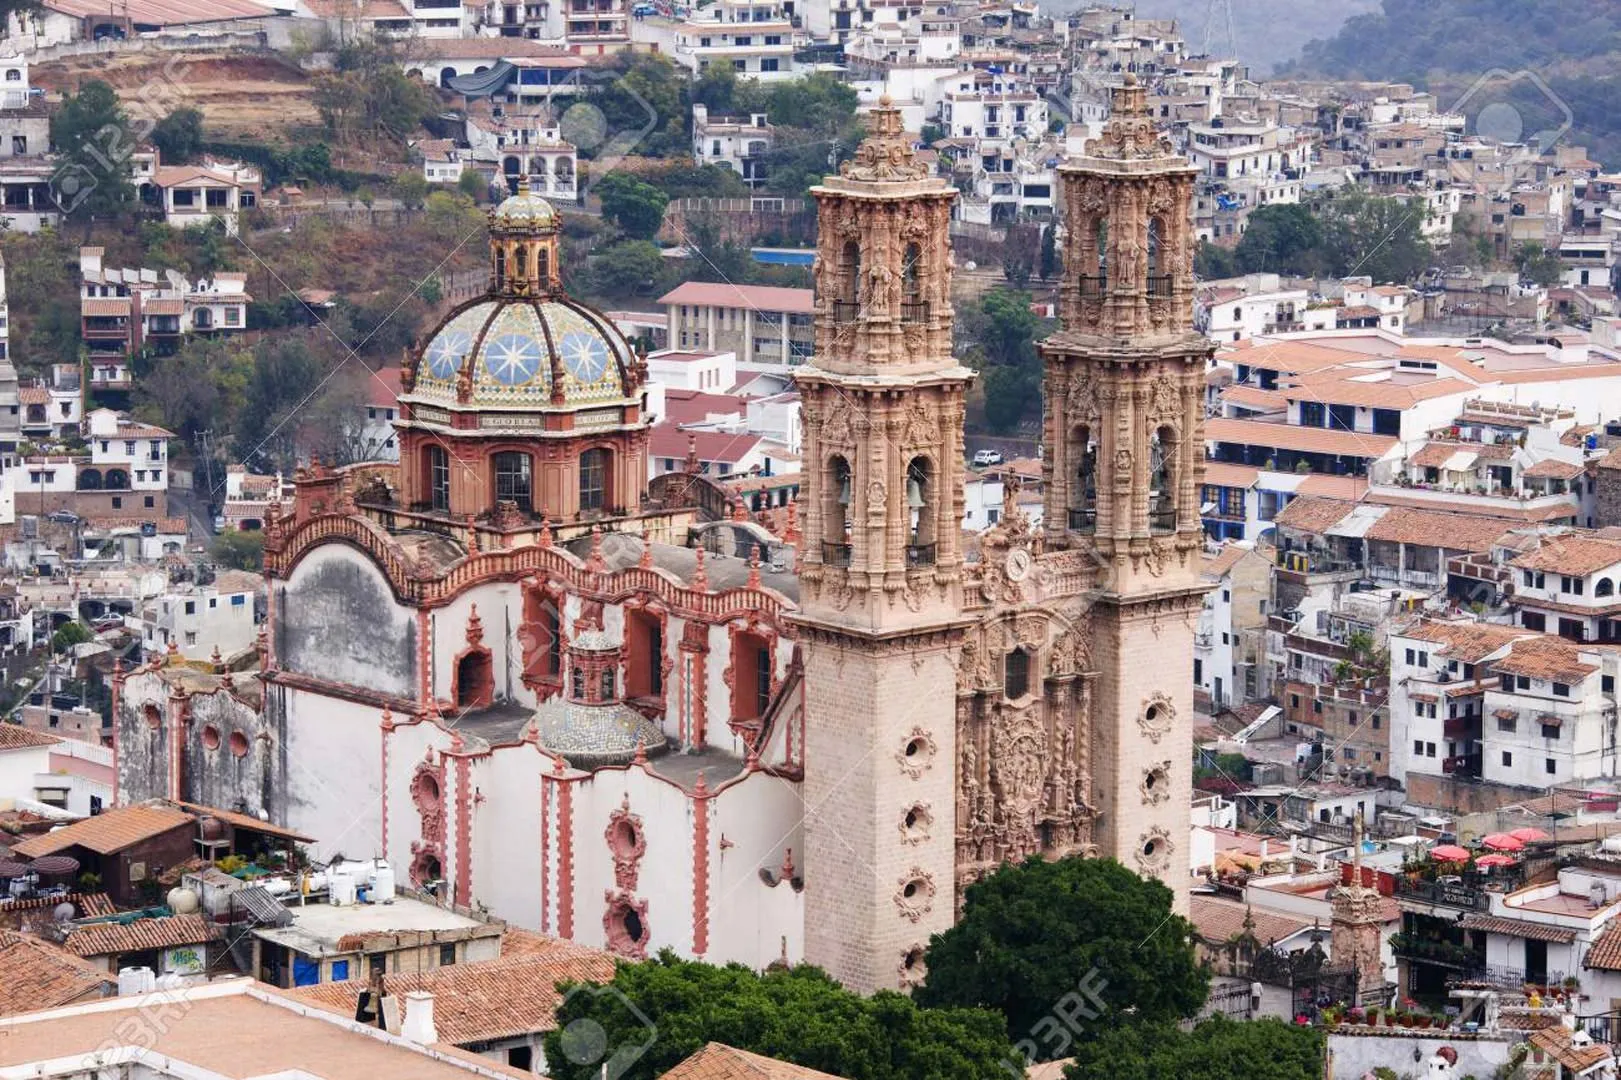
340	970
1387	422
1342	417
1312	414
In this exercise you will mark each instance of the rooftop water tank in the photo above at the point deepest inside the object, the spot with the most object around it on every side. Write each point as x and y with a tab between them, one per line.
136	980
182	901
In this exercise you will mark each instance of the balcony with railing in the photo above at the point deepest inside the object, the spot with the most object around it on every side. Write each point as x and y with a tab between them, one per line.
1159	286
1162	519
845	311
915	311
1459	894
1083	519
835	554
920	554
1462	766
1094	287
1458	727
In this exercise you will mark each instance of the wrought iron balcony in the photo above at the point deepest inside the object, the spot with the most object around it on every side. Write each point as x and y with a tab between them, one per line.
1094	287
1084	520
835	554
915	311
920	554
845	311
1159	286
1162	519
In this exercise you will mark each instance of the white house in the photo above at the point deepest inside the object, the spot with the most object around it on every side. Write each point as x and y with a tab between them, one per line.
737	142
198	194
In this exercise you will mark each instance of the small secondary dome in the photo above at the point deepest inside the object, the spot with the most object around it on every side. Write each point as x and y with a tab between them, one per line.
524	208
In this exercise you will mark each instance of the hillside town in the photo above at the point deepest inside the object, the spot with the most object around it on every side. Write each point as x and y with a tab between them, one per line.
755	538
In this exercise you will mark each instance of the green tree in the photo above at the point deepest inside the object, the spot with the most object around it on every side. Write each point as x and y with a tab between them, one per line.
637	208
70	634
1047	266
1217	1049
628	268
1003	326
472	184
1538	265
178	136
1009	392
799	1015
1212	263
1021	252
716	88
1030	932
432	290
411	188
1374	236
91	132
1281	238
239	549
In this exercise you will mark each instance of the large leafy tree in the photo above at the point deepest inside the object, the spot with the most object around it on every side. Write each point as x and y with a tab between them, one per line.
1004	328
637	208
1374	236
1032	934
672	1007
179	136
1218	1049
91	131
1283	238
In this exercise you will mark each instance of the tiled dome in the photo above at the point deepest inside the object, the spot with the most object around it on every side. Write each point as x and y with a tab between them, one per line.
590	735
524	209
515	349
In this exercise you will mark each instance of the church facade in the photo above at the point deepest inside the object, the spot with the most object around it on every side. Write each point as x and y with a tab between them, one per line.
620	711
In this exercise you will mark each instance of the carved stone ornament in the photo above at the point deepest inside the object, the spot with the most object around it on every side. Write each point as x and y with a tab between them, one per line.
839	428
1154	849
921	428
1156	785
1083	399
1157	715
916	755
915	895
1130	134
1164	403
911	970
915	823
886	153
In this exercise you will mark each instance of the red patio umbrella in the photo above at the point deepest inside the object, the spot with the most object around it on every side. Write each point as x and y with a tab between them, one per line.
1489	861
1502	841
1530	835
1449	853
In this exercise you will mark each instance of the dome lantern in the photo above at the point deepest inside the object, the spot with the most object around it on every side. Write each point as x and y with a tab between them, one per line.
523	245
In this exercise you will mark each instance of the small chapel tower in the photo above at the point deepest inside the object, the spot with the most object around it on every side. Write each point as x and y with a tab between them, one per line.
1123	395
881	565
1358	928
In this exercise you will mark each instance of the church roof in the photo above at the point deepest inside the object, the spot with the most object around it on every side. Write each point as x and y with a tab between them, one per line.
1218	921
590	735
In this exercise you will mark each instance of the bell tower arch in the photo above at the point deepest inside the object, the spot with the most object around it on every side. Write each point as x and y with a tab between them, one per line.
1123	415
881	567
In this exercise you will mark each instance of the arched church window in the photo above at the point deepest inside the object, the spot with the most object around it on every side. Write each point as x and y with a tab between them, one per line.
913	307
607	684
475	683
514	480
846	303
1159	264
500	267
543	265
1095	266
438	470
593	480
920	505
1083	509
1162	480
577	684
836	511
1016	674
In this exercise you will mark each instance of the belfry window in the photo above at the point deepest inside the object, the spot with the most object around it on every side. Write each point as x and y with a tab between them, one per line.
1159	263
593	480
836	512
1094	279
1162	481
438	479
847	302
913	307
513	479
920	549
1083	506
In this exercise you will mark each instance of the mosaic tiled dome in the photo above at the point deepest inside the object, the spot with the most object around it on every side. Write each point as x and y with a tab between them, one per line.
589	735
524	209
516	349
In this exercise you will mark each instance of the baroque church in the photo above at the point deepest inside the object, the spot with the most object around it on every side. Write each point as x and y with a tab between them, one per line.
623	712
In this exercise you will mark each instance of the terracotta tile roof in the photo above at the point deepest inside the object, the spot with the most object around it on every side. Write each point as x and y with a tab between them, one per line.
1335	487
1295	437
105	305
1312	514
1520	928
1437	528
754	297
1378	394
1216	566
171	175
1556	1043
134	429
34	395
113	938
163	305
1465	642
107	832
245	821
17	737
1253	397
504	48
1605	953
492	999
717	1061
1433	455
35	974
1224	474
1577	555
1544	656
1555	469
1218	921
1508	510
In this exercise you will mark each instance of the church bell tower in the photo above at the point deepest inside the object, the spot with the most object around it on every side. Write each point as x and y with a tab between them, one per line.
1124	383
881	565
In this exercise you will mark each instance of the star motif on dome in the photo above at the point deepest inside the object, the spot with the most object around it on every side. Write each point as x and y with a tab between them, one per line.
585	355
512	359
446	352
